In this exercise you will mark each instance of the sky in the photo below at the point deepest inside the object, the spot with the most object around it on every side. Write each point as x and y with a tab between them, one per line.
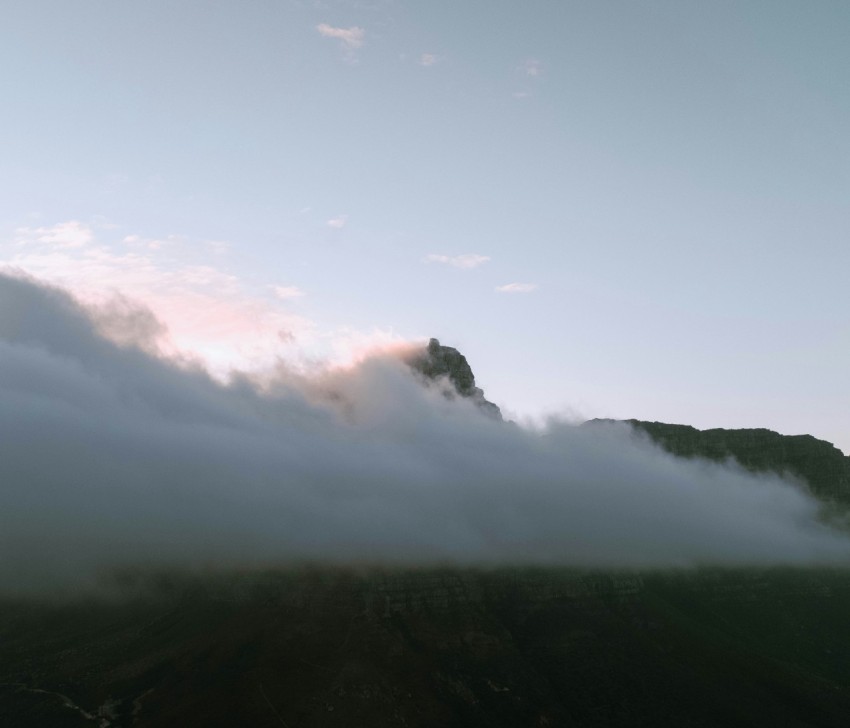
613	209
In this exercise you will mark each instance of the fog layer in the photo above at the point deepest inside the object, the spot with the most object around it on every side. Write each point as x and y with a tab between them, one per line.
113	457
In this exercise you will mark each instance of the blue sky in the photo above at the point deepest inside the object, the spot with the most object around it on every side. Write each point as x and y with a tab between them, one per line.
617	209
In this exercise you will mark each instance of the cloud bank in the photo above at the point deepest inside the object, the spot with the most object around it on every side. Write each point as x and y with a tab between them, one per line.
111	456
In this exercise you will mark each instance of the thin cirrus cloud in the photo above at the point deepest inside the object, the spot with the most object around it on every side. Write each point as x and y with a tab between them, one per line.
465	261
517	288
532	67
351	38
531	71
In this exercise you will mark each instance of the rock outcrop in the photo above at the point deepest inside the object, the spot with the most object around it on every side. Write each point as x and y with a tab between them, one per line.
445	361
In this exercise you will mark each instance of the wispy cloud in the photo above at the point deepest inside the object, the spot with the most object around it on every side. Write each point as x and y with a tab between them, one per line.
528	74
517	288
70	234
338	221
428	59
467	260
532	67
287	292
137	241
350	38
218	247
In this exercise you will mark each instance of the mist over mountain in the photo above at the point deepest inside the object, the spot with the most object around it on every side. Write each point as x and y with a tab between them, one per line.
375	545
113	456
820	466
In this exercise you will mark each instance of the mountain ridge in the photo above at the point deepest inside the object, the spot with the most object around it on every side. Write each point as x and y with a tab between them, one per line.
822	467
818	463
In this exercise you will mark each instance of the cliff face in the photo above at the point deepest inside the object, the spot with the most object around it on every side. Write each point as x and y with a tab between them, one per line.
445	361
823	467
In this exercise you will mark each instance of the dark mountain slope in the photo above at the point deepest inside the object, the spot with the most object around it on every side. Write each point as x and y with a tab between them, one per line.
439	648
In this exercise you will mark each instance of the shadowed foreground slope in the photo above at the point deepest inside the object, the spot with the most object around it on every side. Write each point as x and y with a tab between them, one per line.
438	648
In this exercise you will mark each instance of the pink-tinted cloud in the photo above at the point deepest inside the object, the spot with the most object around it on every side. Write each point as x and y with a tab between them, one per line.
195	306
207	311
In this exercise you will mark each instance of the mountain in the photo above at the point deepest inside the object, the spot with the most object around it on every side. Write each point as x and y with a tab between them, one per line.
821	466
512	647
450	647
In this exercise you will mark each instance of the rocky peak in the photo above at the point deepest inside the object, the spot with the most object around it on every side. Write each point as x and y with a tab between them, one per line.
445	361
